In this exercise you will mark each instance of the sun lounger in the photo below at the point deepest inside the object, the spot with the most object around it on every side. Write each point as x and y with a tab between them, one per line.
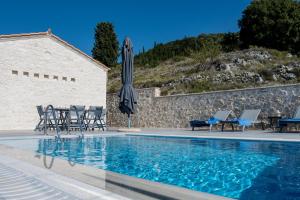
219	116
248	118
285	122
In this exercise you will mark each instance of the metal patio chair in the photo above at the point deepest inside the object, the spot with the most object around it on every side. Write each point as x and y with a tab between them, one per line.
96	118
42	117
102	121
76	118
91	117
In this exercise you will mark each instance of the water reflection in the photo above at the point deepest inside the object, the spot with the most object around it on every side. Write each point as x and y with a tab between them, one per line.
75	150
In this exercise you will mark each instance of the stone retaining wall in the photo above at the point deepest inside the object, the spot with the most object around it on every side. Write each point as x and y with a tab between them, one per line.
177	110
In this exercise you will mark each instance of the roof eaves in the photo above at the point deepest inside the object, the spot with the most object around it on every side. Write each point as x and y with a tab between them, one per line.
24	35
50	34
104	67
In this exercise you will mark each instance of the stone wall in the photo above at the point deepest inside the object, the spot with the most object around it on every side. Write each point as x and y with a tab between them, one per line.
177	110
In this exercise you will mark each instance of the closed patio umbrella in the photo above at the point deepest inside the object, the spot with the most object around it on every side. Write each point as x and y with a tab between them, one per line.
127	94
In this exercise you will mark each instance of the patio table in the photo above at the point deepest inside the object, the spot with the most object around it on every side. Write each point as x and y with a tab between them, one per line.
63	114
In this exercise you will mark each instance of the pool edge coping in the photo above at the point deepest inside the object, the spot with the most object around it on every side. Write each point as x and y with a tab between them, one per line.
239	136
215	137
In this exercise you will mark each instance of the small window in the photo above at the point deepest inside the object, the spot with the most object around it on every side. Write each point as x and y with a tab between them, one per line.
26	73
46	76
73	79
64	78
15	72
55	77
36	75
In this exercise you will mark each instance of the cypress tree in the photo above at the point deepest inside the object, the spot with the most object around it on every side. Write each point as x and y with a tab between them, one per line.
106	45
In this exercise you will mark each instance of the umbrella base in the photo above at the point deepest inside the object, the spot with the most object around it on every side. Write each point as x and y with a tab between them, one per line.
128	130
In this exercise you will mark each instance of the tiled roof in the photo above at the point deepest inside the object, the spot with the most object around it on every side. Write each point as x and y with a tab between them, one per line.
51	35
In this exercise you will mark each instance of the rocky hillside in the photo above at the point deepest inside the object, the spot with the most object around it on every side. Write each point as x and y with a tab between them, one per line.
214	70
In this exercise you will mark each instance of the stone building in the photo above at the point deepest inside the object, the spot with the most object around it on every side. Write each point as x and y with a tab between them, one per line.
41	69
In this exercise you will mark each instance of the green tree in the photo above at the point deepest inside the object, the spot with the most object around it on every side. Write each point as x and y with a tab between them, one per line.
106	45
178	48
271	23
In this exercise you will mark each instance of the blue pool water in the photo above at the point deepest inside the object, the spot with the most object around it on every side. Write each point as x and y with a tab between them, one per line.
231	168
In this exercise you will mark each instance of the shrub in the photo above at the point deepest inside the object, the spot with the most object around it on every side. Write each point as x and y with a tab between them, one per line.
230	42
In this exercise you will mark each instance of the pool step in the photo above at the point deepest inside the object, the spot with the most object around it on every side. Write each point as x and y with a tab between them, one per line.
15	185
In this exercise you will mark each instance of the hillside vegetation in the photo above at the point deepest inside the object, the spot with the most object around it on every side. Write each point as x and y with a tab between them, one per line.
208	63
227	60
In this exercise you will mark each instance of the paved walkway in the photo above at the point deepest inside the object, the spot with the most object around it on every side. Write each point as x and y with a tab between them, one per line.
23	181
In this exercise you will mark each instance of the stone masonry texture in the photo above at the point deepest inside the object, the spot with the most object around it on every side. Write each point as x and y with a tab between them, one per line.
176	111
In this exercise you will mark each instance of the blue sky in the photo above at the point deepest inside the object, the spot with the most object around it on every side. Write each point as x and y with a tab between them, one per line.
143	21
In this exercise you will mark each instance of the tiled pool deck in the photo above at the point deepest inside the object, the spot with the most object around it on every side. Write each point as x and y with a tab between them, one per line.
68	181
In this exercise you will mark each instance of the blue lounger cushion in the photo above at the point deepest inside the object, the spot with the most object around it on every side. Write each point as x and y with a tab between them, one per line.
198	123
213	121
290	120
195	123
241	122
210	121
244	122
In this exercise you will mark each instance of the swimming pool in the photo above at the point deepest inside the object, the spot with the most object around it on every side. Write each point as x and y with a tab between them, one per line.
232	168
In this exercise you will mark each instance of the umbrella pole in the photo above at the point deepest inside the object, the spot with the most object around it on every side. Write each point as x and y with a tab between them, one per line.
129	121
